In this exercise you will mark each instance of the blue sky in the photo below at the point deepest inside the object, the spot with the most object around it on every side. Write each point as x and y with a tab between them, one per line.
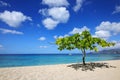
30	26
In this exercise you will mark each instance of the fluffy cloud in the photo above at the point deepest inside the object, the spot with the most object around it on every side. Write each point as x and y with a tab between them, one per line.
60	14
4	4
55	37
55	3
117	10
50	23
54	16
66	35
79	30
116	46
43	46
42	38
74	31
78	5
103	34
44	11
14	18
56	13
113	27
7	31
60	36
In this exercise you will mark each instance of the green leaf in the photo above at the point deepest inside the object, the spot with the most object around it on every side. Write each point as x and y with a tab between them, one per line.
83	41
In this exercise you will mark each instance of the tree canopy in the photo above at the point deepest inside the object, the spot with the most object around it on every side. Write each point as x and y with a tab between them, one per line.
84	41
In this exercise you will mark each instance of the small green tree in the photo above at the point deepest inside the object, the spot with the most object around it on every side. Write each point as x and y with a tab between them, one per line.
83	42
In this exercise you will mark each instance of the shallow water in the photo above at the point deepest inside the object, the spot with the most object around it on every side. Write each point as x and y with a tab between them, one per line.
15	60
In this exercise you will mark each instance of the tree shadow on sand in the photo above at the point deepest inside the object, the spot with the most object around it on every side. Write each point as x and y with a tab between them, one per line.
90	66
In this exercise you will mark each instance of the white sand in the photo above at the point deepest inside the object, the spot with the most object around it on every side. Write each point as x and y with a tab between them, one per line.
60	72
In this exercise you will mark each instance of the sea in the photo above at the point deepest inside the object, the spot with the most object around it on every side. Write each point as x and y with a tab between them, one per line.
18	60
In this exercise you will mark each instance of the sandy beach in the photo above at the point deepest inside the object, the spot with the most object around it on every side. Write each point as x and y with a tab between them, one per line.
62	72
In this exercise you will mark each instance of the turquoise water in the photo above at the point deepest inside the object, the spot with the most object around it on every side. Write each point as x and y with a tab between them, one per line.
15	60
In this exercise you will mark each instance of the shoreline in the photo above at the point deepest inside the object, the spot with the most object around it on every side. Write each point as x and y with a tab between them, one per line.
59	64
61	72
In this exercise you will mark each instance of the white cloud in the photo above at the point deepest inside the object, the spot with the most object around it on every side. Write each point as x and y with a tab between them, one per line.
113	27
56	13
54	16
60	14
42	38
55	3
43	46
7	31
103	34
50	23
44	11
60	36
14	18
117	10
116	46
66	35
4	4
55	37
79	30
78	5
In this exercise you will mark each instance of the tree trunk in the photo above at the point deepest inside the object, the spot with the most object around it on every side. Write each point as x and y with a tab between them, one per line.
83	60
84	55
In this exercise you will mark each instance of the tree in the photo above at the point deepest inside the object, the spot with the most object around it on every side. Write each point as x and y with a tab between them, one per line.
83	42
